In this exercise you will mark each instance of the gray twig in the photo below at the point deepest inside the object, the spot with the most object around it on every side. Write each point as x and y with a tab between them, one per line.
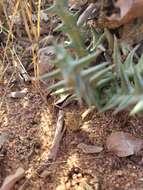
60	129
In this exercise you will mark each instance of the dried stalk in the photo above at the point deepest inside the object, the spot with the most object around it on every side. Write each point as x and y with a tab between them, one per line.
60	129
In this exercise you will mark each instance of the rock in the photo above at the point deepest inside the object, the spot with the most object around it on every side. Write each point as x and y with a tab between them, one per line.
3	138
89	149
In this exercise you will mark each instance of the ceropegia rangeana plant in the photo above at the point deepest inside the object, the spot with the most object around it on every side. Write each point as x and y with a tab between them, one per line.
107	85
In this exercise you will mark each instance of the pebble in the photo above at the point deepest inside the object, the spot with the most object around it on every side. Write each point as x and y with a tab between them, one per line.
119	173
45	173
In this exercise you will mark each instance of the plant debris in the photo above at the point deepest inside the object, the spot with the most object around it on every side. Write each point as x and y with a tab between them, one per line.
87	114
129	10
60	129
124	144
18	94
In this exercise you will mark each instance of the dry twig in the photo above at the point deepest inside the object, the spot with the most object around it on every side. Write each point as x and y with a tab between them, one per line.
60	129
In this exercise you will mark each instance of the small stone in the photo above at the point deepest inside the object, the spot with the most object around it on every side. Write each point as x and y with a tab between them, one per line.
74	176
94	180
89	149
79	175
96	186
3	138
117	185
61	187
73	182
89	171
45	173
79	188
141	179
133	175
119	173
85	185
68	185
128	185
18	94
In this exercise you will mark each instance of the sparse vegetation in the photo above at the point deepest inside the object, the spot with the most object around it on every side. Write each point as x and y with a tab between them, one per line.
76	65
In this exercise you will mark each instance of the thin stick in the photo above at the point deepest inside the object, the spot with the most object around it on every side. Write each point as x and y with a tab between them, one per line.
60	129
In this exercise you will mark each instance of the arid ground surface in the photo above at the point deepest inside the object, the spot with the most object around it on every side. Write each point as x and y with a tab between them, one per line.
29	123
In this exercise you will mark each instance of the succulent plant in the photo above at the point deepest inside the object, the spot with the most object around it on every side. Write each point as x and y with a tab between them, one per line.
117	85
69	26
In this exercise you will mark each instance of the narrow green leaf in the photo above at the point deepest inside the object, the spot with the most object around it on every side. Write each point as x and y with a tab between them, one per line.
125	83
97	76
62	91
110	38
85	61
53	74
129	60
114	101
92	70
97	43
138	108
124	103
117	56
138	80
58	85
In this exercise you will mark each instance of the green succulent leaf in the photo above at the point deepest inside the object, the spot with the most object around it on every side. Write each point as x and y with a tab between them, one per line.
69	26
138	107
107	83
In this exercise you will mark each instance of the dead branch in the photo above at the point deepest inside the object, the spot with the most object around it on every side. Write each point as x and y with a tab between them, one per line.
60	129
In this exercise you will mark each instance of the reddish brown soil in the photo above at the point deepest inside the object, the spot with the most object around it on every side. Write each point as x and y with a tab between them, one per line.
30	124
